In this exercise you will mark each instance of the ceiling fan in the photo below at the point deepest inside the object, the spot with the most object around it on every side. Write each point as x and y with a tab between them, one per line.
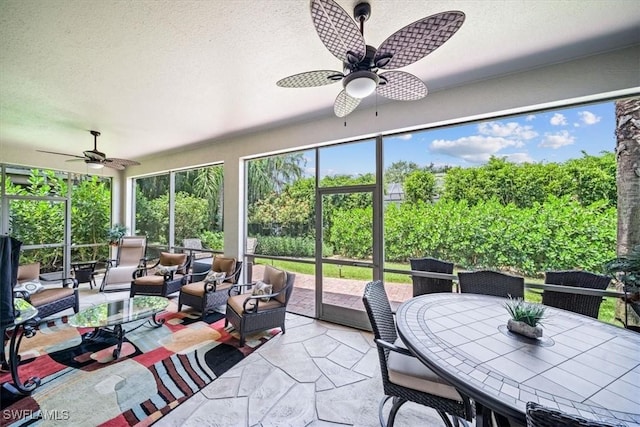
96	159
361	62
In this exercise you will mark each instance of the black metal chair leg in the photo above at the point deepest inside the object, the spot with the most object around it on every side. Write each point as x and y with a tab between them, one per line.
397	403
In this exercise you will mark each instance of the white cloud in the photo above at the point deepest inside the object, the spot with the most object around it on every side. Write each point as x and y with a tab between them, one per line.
557	140
474	149
507	130
558	120
405	136
588	118
530	117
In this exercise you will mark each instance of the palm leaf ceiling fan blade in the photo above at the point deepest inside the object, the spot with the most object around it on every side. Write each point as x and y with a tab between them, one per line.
417	40
61	154
342	37
311	79
337	30
401	86
344	104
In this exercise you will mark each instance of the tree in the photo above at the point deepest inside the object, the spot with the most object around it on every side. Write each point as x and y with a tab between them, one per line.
397	172
628	173
271	174
420	185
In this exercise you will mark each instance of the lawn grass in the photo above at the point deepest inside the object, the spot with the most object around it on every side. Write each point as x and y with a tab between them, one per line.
606	314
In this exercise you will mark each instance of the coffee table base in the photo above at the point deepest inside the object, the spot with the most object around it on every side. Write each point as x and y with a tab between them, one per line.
119	332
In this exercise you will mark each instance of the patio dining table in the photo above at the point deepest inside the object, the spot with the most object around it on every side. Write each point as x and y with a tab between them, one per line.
580	366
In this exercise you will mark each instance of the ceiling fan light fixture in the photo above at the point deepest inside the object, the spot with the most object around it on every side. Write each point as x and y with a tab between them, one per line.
360	84
95	165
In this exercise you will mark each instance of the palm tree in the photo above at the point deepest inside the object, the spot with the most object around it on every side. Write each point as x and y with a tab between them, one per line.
271	174
628	173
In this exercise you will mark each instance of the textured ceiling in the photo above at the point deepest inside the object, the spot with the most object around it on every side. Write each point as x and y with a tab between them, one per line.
156	75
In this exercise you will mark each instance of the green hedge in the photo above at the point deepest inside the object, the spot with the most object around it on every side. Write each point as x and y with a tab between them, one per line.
301	247
557	234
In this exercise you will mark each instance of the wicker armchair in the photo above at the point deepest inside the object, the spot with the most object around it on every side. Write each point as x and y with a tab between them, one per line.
249	313
404	377
53	298
494	283
131	256
589	305
540	416
205	297
427	285
153	281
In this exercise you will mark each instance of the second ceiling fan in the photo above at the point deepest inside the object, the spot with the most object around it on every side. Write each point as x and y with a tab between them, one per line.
361	62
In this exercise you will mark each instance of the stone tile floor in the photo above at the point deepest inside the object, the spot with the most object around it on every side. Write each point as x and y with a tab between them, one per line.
317	374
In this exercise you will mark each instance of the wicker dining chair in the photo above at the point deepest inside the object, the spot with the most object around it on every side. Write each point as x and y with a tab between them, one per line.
493	283
404	377
541	416
589	305
428	285
205	297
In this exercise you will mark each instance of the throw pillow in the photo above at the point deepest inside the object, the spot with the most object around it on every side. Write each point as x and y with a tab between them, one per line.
162	270
214	277
261	288
32	287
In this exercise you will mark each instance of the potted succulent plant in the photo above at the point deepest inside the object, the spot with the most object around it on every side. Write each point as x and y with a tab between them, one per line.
115	233
626	270
526	317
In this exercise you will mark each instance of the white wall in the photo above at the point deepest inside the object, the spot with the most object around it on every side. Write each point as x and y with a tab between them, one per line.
597	77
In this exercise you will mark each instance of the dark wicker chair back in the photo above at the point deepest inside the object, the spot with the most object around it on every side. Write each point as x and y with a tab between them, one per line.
493	283
588	305
427	285
540	416
382	322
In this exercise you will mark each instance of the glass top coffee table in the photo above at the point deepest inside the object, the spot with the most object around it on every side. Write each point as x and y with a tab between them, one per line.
109	317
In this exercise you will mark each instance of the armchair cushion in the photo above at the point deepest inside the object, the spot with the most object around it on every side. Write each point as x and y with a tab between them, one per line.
28	272
236	302
168	259
261	288
198	288
224	264
408	371
278	280
151	280
50	295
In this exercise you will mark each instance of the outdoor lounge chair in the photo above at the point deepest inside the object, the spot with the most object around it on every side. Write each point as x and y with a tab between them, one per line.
193	248
540	416
589	305
203	296
495	283
404	377
131	256
51	299
163	278
250	313
427	285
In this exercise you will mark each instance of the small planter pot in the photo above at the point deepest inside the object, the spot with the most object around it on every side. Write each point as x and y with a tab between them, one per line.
524	329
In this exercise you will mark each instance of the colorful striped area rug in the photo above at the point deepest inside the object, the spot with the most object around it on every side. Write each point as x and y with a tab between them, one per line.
158	369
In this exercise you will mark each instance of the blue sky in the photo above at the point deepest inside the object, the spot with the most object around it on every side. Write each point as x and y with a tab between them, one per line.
553	136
